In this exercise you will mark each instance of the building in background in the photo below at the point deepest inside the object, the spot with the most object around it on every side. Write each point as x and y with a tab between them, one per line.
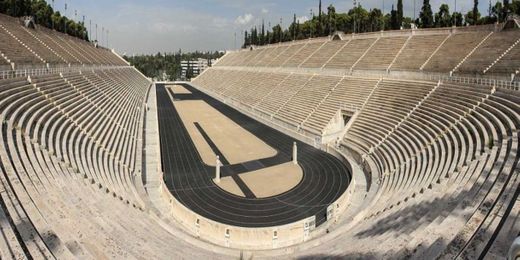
193	68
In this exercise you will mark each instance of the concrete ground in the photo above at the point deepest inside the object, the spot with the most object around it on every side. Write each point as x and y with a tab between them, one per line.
266	182
273	180
237	144
179	89
229	185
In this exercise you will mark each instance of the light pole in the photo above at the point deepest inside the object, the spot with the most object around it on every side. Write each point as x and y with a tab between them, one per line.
84	33
312	18
383	13
53	11
269	38
65	25
455	11
281	28
355	16
414	11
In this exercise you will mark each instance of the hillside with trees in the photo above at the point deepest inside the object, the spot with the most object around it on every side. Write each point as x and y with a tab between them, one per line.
44	15
167	66
361	20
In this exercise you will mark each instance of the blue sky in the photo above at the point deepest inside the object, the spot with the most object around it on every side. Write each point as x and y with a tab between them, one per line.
137	26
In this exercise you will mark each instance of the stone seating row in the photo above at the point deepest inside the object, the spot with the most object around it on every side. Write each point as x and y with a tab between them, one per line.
435	52
446	155
456	152
34	48
68	164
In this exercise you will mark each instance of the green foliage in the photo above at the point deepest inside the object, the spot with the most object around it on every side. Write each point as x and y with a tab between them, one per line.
400	12
330	25
43	15
458	19
426	15
515	7
475	12
497	11
500	10
443	17
158	65
360	20
471	18
394	20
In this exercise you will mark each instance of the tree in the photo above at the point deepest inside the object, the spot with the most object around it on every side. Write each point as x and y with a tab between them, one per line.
497	12
168	64
394	20
246	40
319	12
277	34
331	20
514	7
254	36
262	40
56	20
426	15
318	22
400	12
299	32
458	19
505	10
359	20
376	20
293	28
407	23
443	17
472	18
43	15
475	12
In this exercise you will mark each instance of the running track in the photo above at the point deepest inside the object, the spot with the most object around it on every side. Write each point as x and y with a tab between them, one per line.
325	178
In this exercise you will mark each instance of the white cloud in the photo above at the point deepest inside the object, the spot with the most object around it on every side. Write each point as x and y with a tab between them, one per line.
244	19
302	19
220	22
145	27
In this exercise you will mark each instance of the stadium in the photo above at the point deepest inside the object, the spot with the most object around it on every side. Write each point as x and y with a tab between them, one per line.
374	145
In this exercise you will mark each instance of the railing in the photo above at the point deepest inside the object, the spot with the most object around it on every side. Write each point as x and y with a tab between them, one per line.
411	75
349	107
9	74
390	33
392	74
485	82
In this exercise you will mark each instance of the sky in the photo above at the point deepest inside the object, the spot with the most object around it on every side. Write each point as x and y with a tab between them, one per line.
151	26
